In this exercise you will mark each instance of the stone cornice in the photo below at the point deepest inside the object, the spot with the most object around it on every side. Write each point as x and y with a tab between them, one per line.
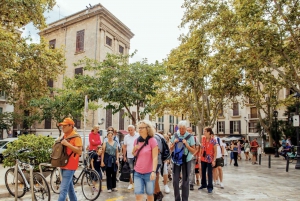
89	13
116	36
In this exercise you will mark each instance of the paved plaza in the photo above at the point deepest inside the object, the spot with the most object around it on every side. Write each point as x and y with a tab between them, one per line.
246	182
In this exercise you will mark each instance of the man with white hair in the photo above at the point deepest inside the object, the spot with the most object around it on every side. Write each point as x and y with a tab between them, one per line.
127	149
183	147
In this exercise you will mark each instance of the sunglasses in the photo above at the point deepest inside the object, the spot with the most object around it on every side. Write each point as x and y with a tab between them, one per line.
110	130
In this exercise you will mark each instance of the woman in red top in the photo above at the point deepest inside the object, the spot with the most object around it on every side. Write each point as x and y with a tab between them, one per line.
208	153
94	139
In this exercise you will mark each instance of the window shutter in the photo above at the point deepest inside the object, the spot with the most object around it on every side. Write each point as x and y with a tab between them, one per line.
47	123
108	117
79	71
239	122
231	127
121	120
218	127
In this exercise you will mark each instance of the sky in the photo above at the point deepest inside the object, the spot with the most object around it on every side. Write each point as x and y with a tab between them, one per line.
155	23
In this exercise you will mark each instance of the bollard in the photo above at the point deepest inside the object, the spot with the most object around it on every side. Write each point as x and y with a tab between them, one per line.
287	163
259	159
269	161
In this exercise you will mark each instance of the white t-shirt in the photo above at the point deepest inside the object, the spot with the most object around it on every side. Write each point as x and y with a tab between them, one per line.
129	141
219	146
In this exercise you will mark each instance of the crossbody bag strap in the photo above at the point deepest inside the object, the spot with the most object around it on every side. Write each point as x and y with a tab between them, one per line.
137	154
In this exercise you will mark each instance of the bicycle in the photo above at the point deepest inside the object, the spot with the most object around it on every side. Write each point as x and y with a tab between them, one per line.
40	188
90	181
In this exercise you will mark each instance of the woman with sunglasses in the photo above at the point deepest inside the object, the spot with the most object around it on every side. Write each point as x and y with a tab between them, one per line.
109	158
145	151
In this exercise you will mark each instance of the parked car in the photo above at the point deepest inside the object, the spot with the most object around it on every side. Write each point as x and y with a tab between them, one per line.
3	146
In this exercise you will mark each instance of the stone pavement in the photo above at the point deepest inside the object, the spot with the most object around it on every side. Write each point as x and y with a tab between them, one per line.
245	182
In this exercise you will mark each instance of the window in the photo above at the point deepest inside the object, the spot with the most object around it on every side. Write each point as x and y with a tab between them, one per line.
52	44
121	49
235	108
1	110
121	119
235	127
194	129
160	125
79	71
2	94
221	127
47	123
253	112
77	122
253	127
108	118
108	41
221	112
171	121
80	41
50	83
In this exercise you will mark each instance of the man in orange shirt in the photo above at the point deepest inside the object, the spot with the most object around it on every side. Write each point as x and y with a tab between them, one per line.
74	147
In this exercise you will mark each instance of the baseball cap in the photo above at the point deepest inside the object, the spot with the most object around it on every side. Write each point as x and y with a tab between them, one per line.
67	121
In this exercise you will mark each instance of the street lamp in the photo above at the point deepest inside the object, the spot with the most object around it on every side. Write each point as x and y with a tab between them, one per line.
246	127
275	115
297	166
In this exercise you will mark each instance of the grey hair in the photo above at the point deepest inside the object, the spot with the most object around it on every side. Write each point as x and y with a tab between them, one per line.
182	124
131	126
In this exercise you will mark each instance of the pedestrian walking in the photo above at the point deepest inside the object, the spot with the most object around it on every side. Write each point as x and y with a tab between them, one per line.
254	146
146	155
74	146
94	138
247	150
110	161
208	153
127	150
96	163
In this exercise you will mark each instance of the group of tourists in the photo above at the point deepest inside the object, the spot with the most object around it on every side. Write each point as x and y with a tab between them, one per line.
144	151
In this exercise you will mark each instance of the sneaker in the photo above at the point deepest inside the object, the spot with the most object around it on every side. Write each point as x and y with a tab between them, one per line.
95	189
109	191
209	191
217	182
167	189
114	189
130	187
191	187
201	187
222	185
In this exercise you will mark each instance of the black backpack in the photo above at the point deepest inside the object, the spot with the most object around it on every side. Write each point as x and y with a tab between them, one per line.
165	152
125	172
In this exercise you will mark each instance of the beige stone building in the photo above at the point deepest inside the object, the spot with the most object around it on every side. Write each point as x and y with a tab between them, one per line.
91	33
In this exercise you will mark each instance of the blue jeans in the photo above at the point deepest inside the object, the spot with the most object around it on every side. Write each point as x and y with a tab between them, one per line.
142	182
66	186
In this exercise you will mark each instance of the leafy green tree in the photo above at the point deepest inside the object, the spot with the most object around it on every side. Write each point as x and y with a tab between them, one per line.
26	67
122	85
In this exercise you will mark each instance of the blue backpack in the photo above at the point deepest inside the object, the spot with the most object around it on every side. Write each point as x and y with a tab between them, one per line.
178	156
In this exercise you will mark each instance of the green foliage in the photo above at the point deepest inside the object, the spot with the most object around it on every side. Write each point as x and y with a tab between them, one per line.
39	146
120	84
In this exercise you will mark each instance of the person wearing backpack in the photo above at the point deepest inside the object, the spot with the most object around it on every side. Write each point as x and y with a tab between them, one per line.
208	153
183	147
74	149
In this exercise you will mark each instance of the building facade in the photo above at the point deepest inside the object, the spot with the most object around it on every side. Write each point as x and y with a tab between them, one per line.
91	33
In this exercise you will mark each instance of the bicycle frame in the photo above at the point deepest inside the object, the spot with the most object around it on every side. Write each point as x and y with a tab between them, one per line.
27	185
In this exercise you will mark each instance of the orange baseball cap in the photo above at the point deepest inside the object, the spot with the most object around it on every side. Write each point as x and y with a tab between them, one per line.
67	121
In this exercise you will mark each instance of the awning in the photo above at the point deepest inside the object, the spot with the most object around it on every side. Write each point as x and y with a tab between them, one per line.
123	132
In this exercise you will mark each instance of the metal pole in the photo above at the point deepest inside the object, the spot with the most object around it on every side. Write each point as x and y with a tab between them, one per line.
259	159
31	183
287	163
297	166
269	160
16	180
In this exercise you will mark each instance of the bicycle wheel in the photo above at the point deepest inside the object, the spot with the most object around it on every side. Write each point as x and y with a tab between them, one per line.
41	188
55	180
91	184
10	182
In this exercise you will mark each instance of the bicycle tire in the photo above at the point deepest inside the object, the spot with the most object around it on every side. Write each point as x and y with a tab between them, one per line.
10	183
91	184
40	187
55	180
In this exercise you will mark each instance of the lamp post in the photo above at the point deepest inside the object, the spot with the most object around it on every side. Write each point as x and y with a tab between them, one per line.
246	128
297	96
275	115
